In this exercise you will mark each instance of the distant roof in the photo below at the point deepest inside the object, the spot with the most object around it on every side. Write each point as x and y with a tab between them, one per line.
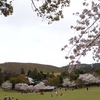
30	80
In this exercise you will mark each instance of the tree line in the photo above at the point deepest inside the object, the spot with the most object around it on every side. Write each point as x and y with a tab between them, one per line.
52	78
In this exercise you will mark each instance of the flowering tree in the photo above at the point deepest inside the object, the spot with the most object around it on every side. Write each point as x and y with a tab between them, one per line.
89	78
87	36
50	10
6	85
87	29
67	82
30	88
24	87
17	86
39	86
6	7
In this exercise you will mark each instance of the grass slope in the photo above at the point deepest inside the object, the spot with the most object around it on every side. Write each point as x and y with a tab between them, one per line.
79	94
16	67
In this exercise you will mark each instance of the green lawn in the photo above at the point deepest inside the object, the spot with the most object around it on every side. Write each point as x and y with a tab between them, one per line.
78	94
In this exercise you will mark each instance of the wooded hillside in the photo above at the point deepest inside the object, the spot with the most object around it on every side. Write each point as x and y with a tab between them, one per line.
85	67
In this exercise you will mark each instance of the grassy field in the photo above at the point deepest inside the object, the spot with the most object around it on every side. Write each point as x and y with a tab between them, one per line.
78	94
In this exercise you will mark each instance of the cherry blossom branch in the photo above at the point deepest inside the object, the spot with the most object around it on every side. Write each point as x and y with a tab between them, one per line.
36	9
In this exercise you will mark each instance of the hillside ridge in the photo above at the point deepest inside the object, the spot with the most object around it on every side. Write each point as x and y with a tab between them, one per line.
16	67
84	67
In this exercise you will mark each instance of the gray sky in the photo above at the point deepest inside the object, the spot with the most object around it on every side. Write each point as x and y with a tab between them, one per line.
24	37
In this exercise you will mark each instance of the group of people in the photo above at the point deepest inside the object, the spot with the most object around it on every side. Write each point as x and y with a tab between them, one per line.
9	98
51	95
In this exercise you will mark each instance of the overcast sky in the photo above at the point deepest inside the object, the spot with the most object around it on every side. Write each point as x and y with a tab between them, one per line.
24	37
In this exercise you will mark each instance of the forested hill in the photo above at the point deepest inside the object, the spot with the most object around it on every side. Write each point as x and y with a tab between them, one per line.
16	67
85	67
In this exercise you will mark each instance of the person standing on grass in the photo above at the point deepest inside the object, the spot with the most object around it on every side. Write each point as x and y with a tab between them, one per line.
5	98
61	94
56	93
51	94
12	98
87	88
65	89
9	98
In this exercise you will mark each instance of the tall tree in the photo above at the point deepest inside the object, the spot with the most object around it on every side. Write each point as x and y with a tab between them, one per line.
22	71
65	73
34	74
97	71
42	75
54	81
29	71
60	78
